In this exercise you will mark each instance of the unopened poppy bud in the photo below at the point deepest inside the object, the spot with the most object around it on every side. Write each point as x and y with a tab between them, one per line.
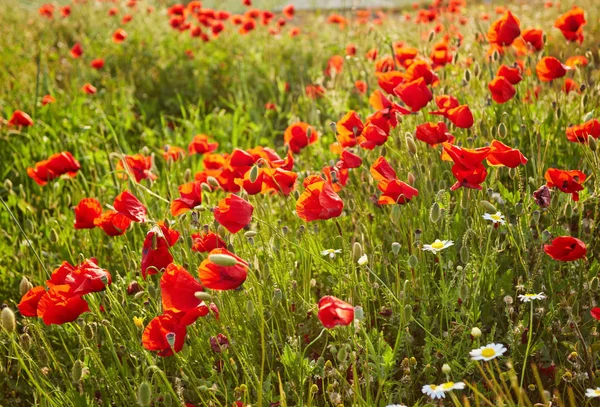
222	260
25	341
221	231
25	286
412	147
342	354
205	187
464	254
359	313
411	178
558	112
495	55
430	36
488	206
144	394
475	332
77	371
88	331
546	235
8	320
254	172
53	235
250	308
333	127
138	295
519	208
29	226
502	131
594	284
407	313
446	368
314	389
277	296
8	184
395	248
467	75
250	233
187	175
592	143
434	212
133	288
202	296
212	181
357	251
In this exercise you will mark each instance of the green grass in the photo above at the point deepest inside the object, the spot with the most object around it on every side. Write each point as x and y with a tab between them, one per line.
419	309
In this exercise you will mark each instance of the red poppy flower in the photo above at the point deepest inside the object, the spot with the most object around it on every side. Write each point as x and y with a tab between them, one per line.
386	115
335	65
201	145
155	250
414	94
223	277
89	89
278	180
173	153
570	86
468	177
77	50
502	90
47	99
361	87
581	132
86	213
20	118
503	155
288	11
178	288
82	279
382	170
138	165
334	312
550	68
97	63
58	306
127	204
190	197
164	334
513	75
113	223
205	242
299	135
566	248
467	157
534	37
421	69
577	60
29	302
388	81
46	10
55	166
571	24
119	35
318	201
349	160
505	30
393	190
234	213
65	11
314	91
449	107
566	181
595	312
434	134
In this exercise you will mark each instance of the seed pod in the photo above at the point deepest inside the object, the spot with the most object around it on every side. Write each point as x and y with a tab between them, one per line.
487	205
8	320
412	147
333	127
434	213
357	251
395	248
222	260
77	371
535	215
464	254
144	394
413	261
25	286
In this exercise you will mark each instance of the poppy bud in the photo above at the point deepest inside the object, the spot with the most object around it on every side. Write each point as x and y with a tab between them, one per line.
430	36
410	178
152	291
558	113
467	75
8	184
546	235
342	354
475	332
25	286
205	187
53	235
254	172
407	313
412	147
488	206
77	371
8	320
464	254
359	313
88	331
222	231
187	175
519	208
250	233
222	260
202	296
395	248
434	213
535	215
502	130
138	295
144	394
495	55
594	284
413	261
357	251
592	143
25	342
277	296
333	127
212	181
29	226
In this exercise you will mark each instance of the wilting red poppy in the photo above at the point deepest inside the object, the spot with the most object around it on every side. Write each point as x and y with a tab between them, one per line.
566	248
97	63
334	312
55	166
113	223
534	37
501	89
205	242
299	135
127	204
566	181
571	24
20	118
89	89
504	30
47	99
58	306
119	35
414	94
164	334
288	11
335	65
220	277
190	197
155	250
550	68
77	50
234	213
434	134
580	133
501	154
138	165
513	75
201	145
86	212
29	302
318	201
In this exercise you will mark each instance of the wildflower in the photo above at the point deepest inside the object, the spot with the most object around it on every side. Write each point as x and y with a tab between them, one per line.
128	205
438	245
433	391
299	135
318	201
363	260
86	212
504	31
223	277
496	218
138	322
76	51
414	94
165	334
566	248
55	166
119	35
542	196
137	164
20	118
190	197
488	352
503	155
571	24
200	145
206	242
155	249
475	332
47	99
89	89
97	63
334	312
434	134
580	133
550	68
234	213
113	223
592	393
331	252
531	297
566	181
501	89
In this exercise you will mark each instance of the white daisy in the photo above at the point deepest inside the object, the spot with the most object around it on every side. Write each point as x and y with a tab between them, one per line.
531	297
438	245
449	386
331	252
496	218
395	405
363	260
592	393
488	352
433	391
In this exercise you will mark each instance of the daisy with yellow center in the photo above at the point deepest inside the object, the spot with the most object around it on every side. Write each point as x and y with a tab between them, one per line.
488	352
331	252
433	391
593	393
449	386
495	217
438	245
531	297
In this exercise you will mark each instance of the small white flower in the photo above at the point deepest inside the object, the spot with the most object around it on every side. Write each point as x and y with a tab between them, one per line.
331	252
496	218
438	245
488	352
449	386
433	391
531	297
395	405
592	393
363	260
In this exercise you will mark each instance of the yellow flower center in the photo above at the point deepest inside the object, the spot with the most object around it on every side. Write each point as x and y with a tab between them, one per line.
488	353
495	217
433	387
437	245
447	385
597	392
530	295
